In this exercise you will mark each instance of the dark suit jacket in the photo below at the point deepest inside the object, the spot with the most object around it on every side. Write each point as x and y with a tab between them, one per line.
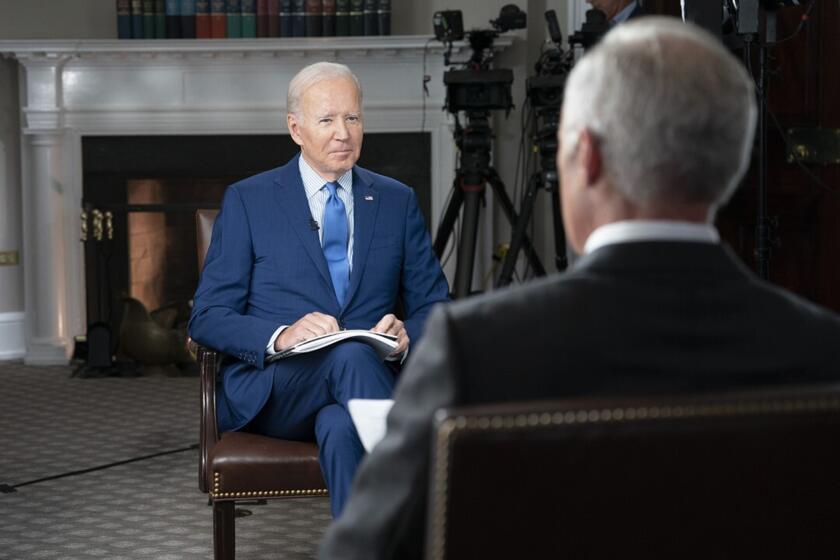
653	317
265	267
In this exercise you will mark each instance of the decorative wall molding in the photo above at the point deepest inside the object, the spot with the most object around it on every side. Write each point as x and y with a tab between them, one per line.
72	89
12	339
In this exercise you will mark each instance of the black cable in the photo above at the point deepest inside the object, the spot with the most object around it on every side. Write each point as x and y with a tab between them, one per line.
8	489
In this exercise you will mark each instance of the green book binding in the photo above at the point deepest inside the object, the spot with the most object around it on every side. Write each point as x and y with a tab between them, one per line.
148	19
357	17
328	23
342	18
249	19
160	19
234	19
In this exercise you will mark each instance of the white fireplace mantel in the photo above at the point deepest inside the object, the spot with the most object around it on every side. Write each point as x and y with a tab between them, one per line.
72	89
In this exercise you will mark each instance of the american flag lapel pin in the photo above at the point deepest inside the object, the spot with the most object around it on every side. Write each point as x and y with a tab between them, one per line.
368	197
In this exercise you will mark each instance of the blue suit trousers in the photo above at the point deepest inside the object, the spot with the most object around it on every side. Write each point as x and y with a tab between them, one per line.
309	395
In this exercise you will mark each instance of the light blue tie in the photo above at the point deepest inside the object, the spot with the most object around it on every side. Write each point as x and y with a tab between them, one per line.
335	242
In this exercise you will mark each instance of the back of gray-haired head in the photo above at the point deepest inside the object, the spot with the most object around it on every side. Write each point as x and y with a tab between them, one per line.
312	74
672	110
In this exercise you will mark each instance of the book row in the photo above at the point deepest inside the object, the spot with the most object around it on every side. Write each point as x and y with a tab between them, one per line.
220	19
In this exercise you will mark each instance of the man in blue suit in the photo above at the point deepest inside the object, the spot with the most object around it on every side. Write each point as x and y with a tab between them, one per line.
303	250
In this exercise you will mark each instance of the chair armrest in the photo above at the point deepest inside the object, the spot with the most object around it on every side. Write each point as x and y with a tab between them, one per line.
208	360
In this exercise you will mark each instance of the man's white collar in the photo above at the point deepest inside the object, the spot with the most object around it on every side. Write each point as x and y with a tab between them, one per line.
650	230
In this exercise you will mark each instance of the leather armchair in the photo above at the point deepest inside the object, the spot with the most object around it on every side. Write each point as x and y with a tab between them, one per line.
747	474
239	466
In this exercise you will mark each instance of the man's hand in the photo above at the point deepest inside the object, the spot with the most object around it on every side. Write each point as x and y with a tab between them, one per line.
389	324
309	326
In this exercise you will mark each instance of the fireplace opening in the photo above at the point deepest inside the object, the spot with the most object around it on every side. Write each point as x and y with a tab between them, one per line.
140	195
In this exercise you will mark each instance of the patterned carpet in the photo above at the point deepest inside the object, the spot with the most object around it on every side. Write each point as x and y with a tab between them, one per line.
150	509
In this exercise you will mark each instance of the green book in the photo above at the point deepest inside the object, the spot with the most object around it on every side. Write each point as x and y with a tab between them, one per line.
249	18
342	17
148	19
234	19
160	19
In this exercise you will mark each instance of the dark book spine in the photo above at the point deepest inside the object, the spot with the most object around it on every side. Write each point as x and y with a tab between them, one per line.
233	19
160	19
329	18
148	19
342	18
371	16
218	19
262	18
249	19
357	17
136	19
384	12
314	18
173	19
124	19
203	29
187	18
298	18
273	29
285	18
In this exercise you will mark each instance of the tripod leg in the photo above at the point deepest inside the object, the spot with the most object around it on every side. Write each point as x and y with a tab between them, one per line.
507	207
519	232
466	247
560	258
448	223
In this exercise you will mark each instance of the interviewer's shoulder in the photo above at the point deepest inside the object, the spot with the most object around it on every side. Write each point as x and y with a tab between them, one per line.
514	302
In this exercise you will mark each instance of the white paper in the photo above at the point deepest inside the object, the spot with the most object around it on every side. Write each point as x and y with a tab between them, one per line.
384	344
369	417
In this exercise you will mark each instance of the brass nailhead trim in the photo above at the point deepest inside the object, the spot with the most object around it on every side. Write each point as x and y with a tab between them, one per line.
451	427
216	493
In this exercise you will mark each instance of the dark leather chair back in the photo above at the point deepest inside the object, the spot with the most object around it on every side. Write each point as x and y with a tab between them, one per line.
208	432
240	466
750	474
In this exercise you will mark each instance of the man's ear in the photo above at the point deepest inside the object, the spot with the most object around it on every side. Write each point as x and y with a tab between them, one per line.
589	154
294	128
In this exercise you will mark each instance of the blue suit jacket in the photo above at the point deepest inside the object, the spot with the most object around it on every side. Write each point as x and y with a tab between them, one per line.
265	268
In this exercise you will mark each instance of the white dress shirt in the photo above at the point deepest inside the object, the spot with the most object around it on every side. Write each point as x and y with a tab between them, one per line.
317	195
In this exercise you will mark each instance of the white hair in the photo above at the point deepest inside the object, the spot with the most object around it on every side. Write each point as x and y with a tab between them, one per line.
312	74
672	110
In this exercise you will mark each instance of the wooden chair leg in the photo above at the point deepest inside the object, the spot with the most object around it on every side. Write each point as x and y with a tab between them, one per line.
224	532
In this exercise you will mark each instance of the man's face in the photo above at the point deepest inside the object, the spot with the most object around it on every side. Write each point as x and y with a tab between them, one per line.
329	128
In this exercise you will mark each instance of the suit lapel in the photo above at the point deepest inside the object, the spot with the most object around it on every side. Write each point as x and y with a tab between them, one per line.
365	207
291	197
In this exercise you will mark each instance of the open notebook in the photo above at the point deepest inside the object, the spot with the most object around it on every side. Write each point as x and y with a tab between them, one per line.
384	344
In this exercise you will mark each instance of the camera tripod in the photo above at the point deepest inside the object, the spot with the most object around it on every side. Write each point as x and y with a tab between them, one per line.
544	178
474	173
539	180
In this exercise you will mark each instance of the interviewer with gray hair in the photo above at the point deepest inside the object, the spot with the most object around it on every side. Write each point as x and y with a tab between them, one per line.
673	114
655	135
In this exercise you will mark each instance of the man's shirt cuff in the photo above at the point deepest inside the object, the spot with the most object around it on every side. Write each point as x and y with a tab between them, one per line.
269	350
